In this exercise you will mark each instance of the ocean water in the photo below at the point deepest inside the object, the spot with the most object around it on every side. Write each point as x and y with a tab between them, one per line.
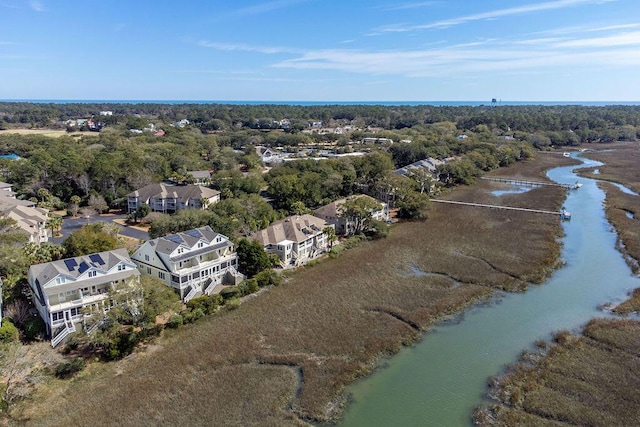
320	103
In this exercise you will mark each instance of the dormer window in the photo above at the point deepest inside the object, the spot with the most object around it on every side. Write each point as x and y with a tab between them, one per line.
200	244
180	250
59	280
93	273
121	267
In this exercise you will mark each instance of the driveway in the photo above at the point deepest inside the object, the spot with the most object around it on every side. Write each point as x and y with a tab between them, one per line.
72	224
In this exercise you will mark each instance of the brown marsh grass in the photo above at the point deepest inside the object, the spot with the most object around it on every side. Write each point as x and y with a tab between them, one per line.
592	380
285	357
622	210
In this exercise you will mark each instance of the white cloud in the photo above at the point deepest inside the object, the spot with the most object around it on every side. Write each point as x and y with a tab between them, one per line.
465	60
406	6
247	48
494	14
622	39
266	7
37	6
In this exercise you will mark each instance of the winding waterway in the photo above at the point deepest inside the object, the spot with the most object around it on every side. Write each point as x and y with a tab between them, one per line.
439	381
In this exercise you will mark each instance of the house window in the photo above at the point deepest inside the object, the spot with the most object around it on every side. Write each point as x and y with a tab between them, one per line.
161	275
121	267
146	257
75	311
59	280
92	274
57	316
200	244
148	270
180	250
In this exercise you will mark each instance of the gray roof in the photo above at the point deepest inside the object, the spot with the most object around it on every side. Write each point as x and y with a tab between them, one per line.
167	244
294	228
74	267
182	192
429	164
200	174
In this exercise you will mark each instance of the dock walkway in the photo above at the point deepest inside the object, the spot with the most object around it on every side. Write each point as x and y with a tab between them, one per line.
510	208
523	182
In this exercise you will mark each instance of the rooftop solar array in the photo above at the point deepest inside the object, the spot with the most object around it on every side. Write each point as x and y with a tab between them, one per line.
83	267
70	263
97	259
193	233
174	238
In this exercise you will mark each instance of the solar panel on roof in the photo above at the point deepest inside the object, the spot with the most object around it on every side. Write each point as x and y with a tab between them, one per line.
70	263
193	233
96	258
174	238
83	267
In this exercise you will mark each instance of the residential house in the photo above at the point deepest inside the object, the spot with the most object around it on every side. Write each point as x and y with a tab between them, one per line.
180	123
371	140
269	156
64	291
6	190
200	177
195	262
171	198
429	164
333	215
31	221
295	239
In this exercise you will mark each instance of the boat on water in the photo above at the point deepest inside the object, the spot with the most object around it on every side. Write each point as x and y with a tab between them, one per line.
565	214
576	185
566	154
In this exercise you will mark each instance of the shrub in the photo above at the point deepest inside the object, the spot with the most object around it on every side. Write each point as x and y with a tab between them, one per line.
33	328
248	287
175	321
336	251
8	332
70	368
232	304
208	303
230	292
268	277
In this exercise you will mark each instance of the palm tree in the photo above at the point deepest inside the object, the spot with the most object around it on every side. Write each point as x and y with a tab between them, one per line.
331	235
55	223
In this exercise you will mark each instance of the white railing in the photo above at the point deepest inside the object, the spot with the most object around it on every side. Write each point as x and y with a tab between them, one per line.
192	293
212	285
69	328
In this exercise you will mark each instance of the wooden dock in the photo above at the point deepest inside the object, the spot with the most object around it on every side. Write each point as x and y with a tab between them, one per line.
509	208
524	183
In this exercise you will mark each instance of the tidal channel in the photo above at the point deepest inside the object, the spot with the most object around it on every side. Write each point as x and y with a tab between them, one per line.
440	380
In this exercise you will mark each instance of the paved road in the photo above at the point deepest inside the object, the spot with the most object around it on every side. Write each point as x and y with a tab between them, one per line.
72	224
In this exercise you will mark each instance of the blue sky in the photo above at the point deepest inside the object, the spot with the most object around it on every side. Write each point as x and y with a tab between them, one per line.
321	50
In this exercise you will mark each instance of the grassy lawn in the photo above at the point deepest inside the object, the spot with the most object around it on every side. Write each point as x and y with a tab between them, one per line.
285	357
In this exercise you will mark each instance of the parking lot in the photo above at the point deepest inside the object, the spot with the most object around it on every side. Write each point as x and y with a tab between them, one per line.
72	224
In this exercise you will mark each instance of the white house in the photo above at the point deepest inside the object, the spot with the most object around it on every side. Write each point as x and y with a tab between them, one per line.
200	177
269	156
429	164
31	221
195	262
295	239
333	215
64	290
169	199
